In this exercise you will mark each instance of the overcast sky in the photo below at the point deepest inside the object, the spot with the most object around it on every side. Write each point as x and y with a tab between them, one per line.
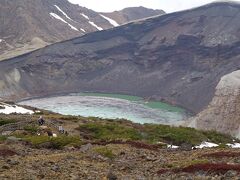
166	5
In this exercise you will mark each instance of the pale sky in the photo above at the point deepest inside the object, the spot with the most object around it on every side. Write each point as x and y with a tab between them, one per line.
166	5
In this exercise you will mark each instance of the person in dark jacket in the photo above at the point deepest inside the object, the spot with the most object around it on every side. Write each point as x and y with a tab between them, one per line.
41	121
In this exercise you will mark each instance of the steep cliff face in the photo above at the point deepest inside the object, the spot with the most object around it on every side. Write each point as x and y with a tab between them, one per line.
223	113
177	57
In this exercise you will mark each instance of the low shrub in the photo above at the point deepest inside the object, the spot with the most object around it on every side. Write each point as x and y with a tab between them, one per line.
31	128
216	137
106	152
175	135
54	143
2	138
110	131
6	121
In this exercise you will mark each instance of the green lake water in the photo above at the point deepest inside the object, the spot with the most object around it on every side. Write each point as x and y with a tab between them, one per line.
112	106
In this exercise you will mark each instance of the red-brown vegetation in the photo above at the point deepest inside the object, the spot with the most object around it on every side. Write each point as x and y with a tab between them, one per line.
7	152
210	168
218	168
222	154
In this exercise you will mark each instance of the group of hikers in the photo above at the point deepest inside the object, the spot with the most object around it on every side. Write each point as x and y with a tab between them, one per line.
61	130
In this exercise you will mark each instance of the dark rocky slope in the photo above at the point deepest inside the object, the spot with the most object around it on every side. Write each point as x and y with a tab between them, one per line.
178	57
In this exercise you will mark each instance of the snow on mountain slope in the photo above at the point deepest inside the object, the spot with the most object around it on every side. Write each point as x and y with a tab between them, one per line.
85	16
63	12
59	18
114	23
91	22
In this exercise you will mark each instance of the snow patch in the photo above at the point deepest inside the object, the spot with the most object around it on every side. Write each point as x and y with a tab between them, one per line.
8	109
63	12
235	145
92	23
1	40
172	146
96	26
61	19
82	30
111	21
85	16
206	145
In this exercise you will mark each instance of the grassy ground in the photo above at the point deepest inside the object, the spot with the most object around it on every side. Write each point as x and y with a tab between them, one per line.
95	129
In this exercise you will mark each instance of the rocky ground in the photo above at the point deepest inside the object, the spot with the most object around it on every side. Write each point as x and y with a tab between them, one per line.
20	161
107	149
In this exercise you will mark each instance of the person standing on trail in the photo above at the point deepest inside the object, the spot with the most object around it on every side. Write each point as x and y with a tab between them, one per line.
60	129
41	121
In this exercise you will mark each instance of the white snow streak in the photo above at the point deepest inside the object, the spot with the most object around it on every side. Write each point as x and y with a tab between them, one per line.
92	23
235	145
61	19
96	26
63	12
82	30
172	146
85	16
111	21
206	145
1	40
8	109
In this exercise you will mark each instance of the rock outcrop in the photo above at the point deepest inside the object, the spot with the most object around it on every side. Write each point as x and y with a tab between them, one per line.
223	113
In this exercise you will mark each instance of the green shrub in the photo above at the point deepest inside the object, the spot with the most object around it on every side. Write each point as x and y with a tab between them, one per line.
31	128
37	140
2	138
106	152
62	141
216	137
6	121
54	143
110	131
176	135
